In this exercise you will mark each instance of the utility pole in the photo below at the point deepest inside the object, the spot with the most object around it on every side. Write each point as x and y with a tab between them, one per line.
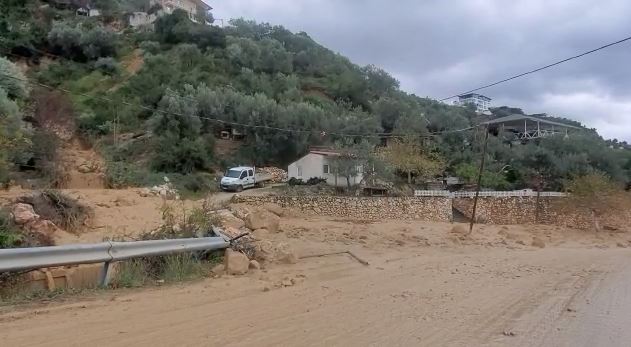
477	190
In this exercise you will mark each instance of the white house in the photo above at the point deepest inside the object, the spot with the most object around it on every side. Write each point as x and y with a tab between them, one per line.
318	163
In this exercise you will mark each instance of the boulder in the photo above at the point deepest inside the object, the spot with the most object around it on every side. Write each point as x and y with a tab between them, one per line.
218	269
86	168
145	192
254	265
23	214
274	208
264	251
235	263
41	232
537	242
228	220
285	254
262	219
260	234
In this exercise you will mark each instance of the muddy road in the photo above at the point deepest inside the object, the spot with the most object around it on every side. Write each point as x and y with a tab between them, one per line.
494	297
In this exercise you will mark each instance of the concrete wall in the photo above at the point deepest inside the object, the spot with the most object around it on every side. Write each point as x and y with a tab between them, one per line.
368	208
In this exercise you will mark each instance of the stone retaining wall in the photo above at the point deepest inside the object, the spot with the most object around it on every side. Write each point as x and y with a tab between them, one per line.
491	210
369	208
523	210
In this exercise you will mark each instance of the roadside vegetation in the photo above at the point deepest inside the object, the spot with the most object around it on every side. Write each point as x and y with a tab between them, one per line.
177	222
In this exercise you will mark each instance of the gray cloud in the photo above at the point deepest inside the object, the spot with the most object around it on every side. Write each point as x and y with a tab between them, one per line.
440	48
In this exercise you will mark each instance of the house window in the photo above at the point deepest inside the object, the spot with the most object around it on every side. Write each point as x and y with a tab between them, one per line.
326	169
299	171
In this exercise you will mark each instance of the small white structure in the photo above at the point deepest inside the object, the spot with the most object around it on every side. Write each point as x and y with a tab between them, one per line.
318	163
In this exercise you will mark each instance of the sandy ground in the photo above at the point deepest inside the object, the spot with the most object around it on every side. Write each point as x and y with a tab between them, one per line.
424	286
118	213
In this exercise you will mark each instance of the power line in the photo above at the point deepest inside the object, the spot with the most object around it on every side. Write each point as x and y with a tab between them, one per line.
224	122
539	69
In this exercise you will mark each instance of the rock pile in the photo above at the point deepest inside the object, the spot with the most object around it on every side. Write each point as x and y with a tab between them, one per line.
256	248
88	167
38	231
165	191
278	175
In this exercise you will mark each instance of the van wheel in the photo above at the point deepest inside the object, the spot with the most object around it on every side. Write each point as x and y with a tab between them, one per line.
239	189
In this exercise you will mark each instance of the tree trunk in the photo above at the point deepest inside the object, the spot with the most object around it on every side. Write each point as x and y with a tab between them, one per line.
409	177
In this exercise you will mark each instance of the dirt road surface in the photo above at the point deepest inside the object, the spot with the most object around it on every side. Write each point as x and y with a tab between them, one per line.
497	297
426	285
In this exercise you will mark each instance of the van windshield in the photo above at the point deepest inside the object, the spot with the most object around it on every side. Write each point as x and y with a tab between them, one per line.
233	173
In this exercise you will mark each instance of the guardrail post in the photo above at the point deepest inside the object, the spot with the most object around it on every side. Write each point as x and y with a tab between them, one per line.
104	279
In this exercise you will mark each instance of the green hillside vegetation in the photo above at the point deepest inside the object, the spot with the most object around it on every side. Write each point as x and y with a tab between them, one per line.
197	80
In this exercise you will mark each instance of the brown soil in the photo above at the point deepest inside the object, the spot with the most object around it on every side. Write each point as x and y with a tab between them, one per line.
424	286
134	62
74	154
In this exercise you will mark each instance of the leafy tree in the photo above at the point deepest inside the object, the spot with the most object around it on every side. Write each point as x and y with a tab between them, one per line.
178	28
469	173
179	144
597	193
409	157
81	42
350	161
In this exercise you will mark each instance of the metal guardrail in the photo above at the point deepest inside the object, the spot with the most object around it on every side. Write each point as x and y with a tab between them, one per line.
18	259
515	193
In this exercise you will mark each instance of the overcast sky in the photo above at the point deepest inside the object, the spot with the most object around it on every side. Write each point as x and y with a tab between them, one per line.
438	48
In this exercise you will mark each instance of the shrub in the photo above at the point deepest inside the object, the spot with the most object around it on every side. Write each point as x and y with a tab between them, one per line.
108	66
152	47
10	235
98	42
170	268
59	208
120	174
131	273
12	80
81	43
295	182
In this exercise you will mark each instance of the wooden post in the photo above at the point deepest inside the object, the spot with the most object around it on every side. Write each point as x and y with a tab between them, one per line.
477	190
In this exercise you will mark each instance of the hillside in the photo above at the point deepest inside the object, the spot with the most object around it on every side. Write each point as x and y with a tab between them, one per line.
153	102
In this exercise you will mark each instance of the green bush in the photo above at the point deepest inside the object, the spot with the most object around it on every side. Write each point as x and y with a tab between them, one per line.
152	47
131	274
108	66
82	42
120	174
12	80
10	235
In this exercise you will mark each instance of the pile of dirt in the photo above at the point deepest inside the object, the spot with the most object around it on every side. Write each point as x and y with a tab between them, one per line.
83	167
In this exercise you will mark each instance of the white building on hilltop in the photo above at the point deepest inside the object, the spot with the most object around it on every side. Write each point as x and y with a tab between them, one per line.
481	102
